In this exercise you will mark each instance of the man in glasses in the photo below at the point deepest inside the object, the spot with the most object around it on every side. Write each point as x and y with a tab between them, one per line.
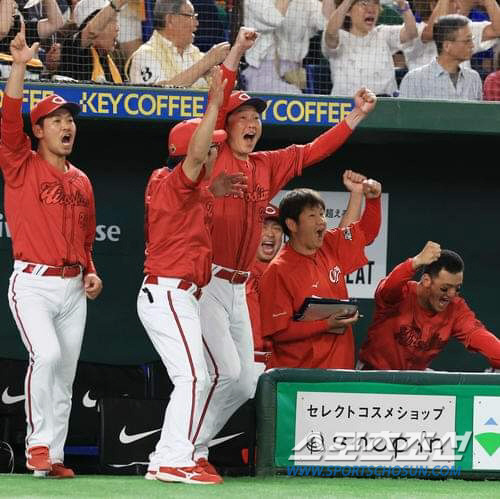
169	56
443	77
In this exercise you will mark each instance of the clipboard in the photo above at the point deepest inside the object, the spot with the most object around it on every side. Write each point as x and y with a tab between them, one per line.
315	309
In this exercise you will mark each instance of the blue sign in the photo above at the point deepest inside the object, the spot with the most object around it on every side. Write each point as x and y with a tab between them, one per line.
173	104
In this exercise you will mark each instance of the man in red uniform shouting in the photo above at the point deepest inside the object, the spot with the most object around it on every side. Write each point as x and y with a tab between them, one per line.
236	234
414	320
314	262
50	209
178	264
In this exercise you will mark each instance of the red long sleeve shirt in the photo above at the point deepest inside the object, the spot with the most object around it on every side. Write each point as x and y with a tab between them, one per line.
51	215
406	336
292	277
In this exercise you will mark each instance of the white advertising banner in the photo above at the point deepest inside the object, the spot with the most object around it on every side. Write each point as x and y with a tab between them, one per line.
486	431
346	429
363	282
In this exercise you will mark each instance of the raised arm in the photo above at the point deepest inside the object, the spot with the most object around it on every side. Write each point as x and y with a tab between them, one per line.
6	17
328	142
53	20
199	145
245	40
99	22
442	8
409	30
335	23
390	289
492	30
354	184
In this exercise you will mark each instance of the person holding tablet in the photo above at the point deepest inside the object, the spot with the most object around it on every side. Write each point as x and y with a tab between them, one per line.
314	263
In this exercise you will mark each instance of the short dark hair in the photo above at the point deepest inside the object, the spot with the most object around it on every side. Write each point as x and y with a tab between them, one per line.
164	7
445	29
293	204
449	260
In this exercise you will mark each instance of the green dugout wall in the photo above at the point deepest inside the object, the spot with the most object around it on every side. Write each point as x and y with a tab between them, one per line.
438	161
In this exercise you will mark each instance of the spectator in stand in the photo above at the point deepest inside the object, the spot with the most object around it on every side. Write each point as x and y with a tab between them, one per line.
130	20
492	83
443	78
37	30
169	56
86	56
413	321
360	52
422	50
275	62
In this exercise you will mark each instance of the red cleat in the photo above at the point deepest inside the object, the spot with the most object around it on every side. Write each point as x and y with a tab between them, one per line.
208	467
60	471
37	458
190	474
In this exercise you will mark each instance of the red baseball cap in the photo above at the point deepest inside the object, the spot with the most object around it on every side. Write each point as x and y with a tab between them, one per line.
50	104
238	99
180	135
272	213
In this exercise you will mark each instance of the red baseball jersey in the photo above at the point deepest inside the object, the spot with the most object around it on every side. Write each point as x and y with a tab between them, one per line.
404	335
253	302
51	214
177	226
238	218
292	277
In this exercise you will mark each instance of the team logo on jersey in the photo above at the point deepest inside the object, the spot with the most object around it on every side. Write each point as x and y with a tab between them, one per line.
410	335
53	193
347	234
335	274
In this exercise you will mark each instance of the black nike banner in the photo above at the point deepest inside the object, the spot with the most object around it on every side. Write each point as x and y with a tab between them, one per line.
93	382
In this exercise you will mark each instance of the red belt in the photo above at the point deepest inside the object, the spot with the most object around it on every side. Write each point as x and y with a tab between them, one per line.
234	277
185	285
67	271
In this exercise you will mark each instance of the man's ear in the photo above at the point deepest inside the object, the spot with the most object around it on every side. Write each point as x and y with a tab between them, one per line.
37	131
426	280
291	225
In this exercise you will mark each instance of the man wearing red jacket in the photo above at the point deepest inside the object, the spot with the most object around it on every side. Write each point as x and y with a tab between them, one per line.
236	234
50	210
314	262
414	320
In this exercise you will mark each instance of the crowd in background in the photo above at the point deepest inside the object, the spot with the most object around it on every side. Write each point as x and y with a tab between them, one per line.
304	46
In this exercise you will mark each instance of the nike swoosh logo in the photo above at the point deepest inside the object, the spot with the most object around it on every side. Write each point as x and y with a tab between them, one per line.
9	399
128	439
87	401
220	440
278	315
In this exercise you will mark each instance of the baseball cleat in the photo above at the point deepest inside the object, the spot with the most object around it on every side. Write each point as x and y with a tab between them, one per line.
208	467
60	471
37	459
150	475
191	474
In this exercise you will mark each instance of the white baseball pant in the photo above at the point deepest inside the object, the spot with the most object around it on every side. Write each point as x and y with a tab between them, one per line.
50	314
171	319
228	342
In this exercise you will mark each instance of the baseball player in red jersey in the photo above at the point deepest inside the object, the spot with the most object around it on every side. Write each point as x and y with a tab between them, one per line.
50	209
314	262
236	234
270	243
413	321
178	264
